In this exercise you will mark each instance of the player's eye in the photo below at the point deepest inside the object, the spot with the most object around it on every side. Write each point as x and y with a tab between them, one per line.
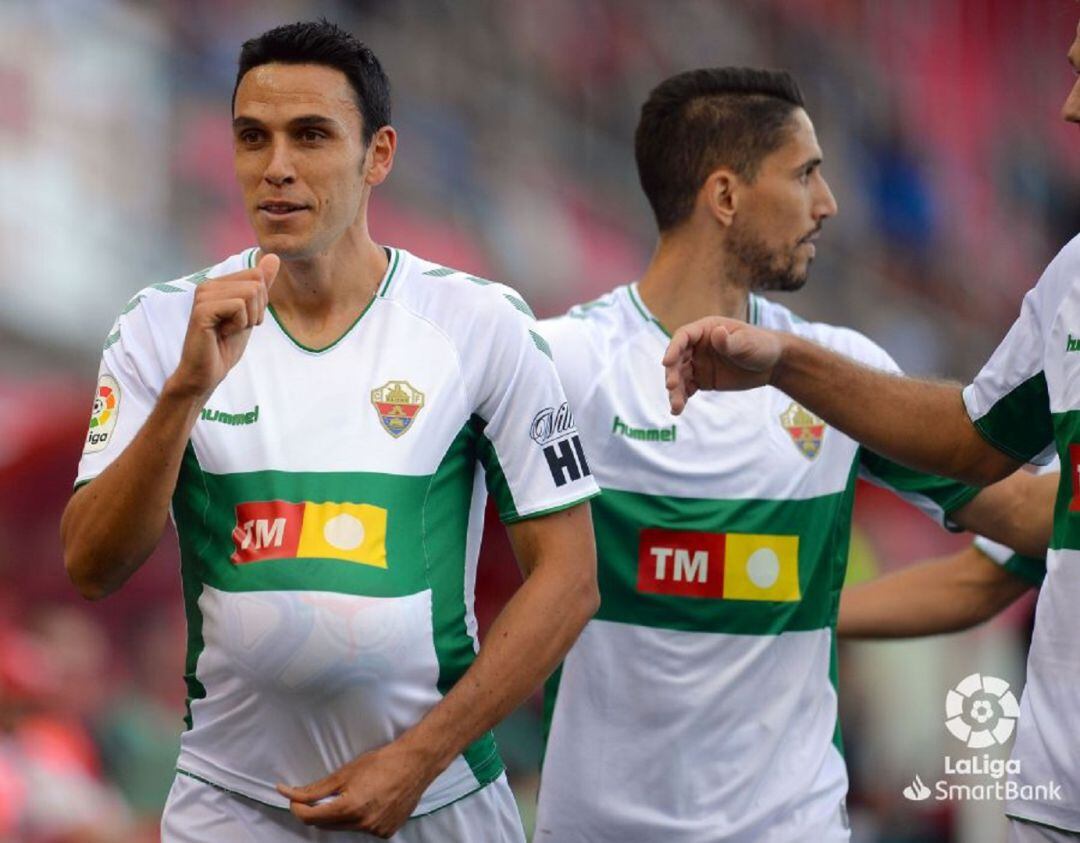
250	136
311	135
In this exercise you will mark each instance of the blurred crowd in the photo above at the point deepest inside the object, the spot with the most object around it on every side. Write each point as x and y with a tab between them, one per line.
955	179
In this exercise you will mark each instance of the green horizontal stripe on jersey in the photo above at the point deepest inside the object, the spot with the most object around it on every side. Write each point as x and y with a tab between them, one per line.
823	525
1020	423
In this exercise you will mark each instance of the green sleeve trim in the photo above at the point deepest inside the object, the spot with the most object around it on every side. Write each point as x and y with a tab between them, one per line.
1019	424
550	510
1028	568
947	494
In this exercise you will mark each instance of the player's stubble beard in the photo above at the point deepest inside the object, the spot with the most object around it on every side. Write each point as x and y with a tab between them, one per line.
764	268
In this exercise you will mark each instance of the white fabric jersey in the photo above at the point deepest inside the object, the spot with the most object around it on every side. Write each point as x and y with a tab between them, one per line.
1026	402
700	705
329	509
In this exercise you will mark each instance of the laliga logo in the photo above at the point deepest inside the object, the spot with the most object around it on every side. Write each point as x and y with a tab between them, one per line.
981	711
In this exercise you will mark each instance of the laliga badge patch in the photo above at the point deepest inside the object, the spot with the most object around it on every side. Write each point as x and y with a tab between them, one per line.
806	430
397	403
103	416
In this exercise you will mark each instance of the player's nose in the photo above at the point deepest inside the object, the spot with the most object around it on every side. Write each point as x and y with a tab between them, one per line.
825	203
279	169
1070	111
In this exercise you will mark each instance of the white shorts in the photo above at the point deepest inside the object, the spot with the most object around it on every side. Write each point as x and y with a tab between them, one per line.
197	812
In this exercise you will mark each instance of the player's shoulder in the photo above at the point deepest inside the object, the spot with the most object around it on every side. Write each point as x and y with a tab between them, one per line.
846	341
168	303
446	296
598	324
1061	273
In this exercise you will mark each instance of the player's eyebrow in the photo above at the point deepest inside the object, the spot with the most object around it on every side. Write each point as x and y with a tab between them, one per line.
808	165
305	121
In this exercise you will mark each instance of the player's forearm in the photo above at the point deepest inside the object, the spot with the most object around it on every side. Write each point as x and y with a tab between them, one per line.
920	423
1017	512
528	639
935	597
112	524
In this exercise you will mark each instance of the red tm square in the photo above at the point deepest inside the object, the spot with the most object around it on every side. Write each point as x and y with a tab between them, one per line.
681	563
266	530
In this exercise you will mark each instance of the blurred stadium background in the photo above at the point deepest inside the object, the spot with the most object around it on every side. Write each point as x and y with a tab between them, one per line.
955	177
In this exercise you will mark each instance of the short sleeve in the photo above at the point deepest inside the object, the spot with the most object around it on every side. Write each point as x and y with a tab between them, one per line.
530	448
573	354
1029	568
1008	401
129	382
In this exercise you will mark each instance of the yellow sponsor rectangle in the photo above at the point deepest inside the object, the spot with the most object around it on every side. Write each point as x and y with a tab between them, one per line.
352	532
761	567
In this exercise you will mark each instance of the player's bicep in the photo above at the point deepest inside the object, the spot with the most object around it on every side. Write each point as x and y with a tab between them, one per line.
561	540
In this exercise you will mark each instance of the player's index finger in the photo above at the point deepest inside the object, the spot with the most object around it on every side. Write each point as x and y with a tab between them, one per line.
268	268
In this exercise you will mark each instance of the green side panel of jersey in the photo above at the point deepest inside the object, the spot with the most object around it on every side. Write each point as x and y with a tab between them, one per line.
445	534
551	693
1066	534
1020	423
497	486
834	678
195	499
822	524
948	494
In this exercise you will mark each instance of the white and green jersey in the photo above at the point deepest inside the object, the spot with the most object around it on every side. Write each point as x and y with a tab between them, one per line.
700	703
329	510
1026	402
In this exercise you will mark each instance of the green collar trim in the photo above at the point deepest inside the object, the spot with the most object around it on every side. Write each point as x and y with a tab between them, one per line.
391	270
640	305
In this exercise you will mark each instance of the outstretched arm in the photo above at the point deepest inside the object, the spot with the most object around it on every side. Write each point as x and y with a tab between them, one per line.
947	594
920	423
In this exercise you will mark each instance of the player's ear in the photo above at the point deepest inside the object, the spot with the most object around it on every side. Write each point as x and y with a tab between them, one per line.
719	195
379	156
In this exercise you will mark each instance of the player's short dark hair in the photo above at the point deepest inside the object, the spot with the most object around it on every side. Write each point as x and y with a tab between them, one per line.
697	121
325	43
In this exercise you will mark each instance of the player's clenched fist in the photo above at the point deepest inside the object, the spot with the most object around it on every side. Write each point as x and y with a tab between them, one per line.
222	316
718	353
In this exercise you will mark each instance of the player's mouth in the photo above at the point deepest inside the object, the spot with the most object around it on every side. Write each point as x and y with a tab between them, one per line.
280	209
809	239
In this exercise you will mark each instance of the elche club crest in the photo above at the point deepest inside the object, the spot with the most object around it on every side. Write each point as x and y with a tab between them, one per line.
806	430
397	403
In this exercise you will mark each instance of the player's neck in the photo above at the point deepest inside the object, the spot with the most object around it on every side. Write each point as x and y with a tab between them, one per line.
684	282
336	284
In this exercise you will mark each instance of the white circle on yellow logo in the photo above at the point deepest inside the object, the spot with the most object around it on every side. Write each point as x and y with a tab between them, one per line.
345	532
763	567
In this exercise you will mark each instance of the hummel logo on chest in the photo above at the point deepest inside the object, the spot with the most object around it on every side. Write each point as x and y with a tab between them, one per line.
230	418
644	434
1073	343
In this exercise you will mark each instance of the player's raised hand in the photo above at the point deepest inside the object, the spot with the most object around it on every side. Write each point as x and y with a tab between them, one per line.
222	316
376	793
718	353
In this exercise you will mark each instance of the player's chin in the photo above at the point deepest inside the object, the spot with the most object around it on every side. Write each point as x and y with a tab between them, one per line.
285	246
